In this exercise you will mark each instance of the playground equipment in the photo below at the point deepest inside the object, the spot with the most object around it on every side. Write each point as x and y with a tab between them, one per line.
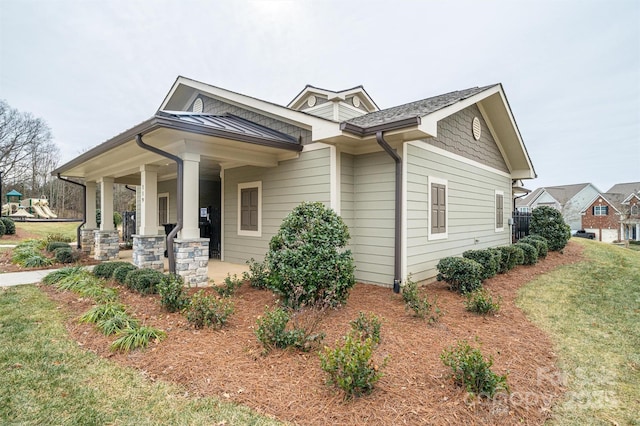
13	207
39	207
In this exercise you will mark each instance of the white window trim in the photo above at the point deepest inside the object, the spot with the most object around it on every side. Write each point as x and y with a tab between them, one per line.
495	210
439	181
241	186
162	195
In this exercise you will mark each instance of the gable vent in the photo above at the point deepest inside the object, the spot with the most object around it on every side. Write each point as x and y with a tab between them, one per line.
477	129
197	106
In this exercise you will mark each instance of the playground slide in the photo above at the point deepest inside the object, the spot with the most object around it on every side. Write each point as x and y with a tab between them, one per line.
39	211
48	211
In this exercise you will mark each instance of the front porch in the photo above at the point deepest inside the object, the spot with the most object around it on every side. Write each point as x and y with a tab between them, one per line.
217	270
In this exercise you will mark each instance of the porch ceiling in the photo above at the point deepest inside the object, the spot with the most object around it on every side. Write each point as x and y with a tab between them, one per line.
220	141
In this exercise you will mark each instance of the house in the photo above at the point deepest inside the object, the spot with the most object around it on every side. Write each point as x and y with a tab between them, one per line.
615	214
414	183
570	200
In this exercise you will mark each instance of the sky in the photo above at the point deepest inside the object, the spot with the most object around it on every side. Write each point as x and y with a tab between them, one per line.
570	69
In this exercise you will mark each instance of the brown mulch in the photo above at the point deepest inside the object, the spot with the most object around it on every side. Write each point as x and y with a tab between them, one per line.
289	385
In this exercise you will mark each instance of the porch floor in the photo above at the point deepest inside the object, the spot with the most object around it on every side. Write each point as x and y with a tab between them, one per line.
217	272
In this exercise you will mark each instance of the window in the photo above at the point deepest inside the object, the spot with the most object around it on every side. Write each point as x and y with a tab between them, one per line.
250	209
600	210
634	210
499	210
163	208
438	214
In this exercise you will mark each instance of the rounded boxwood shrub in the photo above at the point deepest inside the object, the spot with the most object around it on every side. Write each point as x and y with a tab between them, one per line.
307	262
530	253
548	223
509	258
3	229
9	225
53	245
540	243
65	255
105	270
462	275
144	281
121	272
487	258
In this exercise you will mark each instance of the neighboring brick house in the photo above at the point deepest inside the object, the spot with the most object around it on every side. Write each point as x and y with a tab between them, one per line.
615	214
570	200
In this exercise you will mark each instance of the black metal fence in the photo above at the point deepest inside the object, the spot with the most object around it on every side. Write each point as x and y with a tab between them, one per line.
128	226
520	228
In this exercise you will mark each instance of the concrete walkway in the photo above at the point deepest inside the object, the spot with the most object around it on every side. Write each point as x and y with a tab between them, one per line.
28	277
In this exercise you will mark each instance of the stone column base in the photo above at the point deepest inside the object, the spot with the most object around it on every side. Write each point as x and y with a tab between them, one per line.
148	251
88	241
107	245
192	260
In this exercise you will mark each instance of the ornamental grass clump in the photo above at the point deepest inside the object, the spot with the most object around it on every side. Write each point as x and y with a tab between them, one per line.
473	371
55	276
307	258
9	225
129	339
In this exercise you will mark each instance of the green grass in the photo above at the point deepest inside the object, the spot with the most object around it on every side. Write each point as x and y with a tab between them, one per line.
591	310
47	379
42	229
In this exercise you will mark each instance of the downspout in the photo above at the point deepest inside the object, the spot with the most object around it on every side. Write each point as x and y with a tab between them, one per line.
84	208
398	215
170	254
130	189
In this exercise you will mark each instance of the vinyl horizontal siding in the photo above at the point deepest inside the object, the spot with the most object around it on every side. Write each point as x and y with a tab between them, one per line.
283	188
471	209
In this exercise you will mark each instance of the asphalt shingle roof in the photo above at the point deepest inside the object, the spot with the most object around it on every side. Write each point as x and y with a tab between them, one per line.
415	109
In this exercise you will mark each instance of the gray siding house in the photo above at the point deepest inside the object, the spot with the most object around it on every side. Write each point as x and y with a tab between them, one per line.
414	183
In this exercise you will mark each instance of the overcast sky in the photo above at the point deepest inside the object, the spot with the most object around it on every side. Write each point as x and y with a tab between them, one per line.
570	69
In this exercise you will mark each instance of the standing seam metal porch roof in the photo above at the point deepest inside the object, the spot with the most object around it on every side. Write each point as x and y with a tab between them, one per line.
224	126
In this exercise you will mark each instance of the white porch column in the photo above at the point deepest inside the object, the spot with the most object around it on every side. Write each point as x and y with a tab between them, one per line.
190	196
106	204
149	200
91	206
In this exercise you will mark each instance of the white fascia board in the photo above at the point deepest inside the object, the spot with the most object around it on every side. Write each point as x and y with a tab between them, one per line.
278	112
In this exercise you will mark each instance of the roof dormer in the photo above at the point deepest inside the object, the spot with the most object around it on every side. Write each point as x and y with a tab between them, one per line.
337	106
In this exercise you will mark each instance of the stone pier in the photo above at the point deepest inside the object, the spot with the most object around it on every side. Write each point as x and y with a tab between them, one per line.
88	241
107	245
148	251
192	260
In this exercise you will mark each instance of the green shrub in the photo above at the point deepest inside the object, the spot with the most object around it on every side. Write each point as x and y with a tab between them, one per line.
55	276
102	312
208	311
120	273
116	323
66	255
105	269
548	223
28	254
472	370
229	287
3	229
9	225
258	274
539	242
53	245
368	325
518	254
481	302
138	337
171	290
420	305
272	331
462	275
307	260
530	253
144	280
57	236
351	367
487	258
508	258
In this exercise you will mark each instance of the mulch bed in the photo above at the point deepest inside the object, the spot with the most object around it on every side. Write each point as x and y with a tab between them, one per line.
290	385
